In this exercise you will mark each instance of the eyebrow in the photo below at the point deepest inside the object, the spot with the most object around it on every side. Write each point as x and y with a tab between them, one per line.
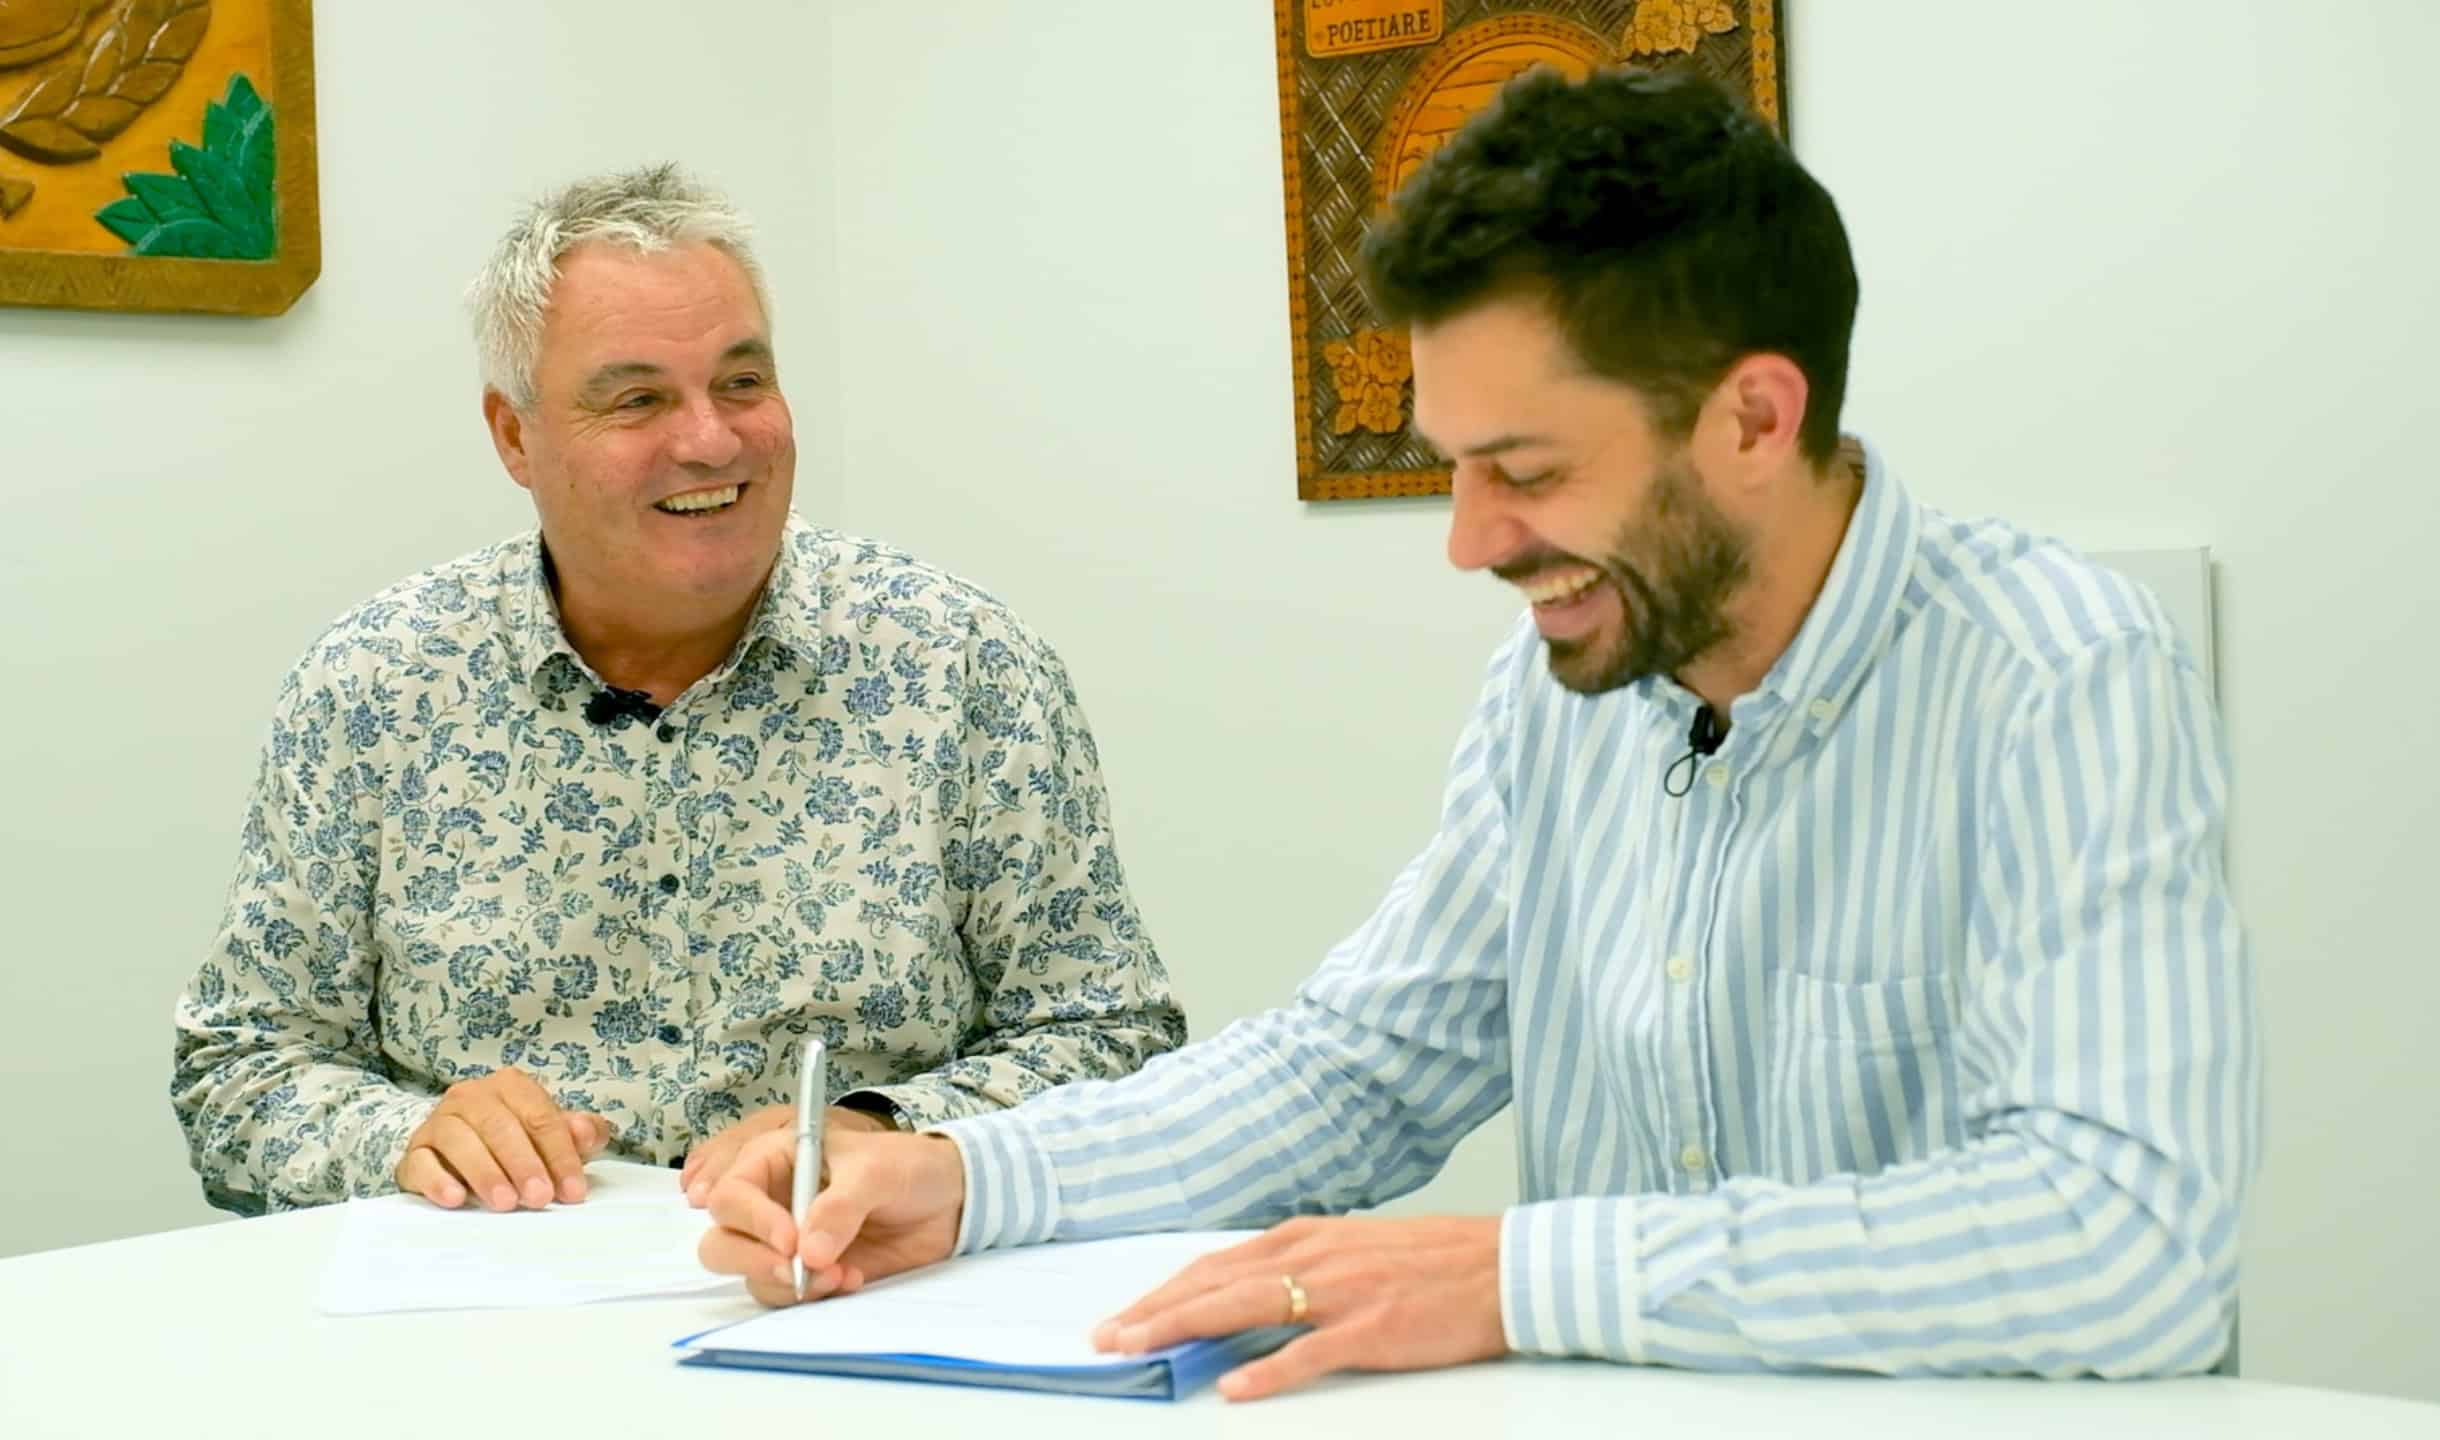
1504	444
1489	448
610	375
753	347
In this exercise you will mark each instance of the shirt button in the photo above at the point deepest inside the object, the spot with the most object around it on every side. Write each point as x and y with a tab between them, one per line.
1681	969
1693	1158
1717	777
667	733
670	1034
669	884
1821	710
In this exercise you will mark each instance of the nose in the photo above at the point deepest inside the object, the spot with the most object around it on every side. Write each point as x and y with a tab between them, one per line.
704	437
1482	533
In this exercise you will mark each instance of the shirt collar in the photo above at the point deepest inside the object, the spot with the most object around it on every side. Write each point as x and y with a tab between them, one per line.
1853	616
784	616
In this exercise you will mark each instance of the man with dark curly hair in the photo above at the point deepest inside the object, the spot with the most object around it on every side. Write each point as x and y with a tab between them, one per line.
1833	886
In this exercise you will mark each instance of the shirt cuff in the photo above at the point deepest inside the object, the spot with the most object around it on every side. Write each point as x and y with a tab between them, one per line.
1570	1283
1012	1194
377	1124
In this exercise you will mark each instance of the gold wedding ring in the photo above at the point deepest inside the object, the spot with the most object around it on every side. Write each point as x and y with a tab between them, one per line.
1297	1308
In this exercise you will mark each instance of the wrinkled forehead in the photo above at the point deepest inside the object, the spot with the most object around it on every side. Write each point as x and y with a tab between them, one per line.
688	307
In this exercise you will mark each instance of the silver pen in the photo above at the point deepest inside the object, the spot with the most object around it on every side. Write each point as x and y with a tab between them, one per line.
812	1089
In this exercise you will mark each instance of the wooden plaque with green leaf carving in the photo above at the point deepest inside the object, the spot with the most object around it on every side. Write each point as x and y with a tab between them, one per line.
1368	89
158	155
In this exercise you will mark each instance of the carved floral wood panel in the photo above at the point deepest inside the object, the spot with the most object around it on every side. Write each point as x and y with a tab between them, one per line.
1368	90
157	154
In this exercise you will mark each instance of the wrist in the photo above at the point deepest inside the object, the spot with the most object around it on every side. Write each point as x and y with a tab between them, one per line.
948	1166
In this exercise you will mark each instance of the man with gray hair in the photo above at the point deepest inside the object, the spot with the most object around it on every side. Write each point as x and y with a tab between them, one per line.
566	845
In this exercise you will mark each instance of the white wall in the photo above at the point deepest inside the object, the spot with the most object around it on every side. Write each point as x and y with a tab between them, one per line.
2139	274
191	499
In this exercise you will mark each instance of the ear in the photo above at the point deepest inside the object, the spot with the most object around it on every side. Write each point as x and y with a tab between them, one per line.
507	428
1756	414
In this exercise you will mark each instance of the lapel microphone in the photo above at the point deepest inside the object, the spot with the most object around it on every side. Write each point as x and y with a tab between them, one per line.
1702	739
613	704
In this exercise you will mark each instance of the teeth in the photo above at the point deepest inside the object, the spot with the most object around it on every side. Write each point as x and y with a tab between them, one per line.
1561	587
700	500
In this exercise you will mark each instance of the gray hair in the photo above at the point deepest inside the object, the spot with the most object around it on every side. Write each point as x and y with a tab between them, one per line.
647	210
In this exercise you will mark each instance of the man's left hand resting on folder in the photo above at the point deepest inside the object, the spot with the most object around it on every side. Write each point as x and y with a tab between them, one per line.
1379	1294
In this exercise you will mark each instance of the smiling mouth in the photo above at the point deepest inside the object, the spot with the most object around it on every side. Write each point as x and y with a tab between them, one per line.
1553	591
701	502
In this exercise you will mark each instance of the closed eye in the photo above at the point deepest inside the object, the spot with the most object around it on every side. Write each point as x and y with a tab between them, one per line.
1525	484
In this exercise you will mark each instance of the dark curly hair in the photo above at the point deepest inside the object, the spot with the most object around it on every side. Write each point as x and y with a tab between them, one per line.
1669	232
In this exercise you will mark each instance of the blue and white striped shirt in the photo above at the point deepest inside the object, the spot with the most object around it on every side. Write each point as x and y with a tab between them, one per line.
1918	1038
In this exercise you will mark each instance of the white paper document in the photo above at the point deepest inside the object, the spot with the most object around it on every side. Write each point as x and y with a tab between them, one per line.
1035	1306
633	1235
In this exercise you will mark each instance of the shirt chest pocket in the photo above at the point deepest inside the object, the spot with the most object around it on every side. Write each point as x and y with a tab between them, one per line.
1862	1074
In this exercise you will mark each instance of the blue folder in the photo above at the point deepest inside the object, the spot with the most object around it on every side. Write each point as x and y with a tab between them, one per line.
1170	1374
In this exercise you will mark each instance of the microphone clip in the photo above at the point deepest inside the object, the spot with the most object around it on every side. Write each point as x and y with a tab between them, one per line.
611	704
1702	739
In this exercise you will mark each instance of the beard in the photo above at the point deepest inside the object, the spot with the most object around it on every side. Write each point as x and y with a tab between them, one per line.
1673	565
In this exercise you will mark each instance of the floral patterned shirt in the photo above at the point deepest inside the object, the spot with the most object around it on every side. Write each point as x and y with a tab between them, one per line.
881	821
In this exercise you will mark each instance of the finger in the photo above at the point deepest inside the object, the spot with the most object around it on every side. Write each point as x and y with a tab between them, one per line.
463	1150
562	1157
747	1199
422	1173
1266	1257
735	1252
1299	1362
503	1130
1220	1268
707	1163
590	1132
546	1131
777	1289
1243	1304
768	1274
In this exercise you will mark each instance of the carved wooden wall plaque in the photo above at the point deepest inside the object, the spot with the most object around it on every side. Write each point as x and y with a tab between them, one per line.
1368	89
158	154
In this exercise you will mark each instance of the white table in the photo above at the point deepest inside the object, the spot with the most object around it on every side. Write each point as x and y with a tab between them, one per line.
212	1332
